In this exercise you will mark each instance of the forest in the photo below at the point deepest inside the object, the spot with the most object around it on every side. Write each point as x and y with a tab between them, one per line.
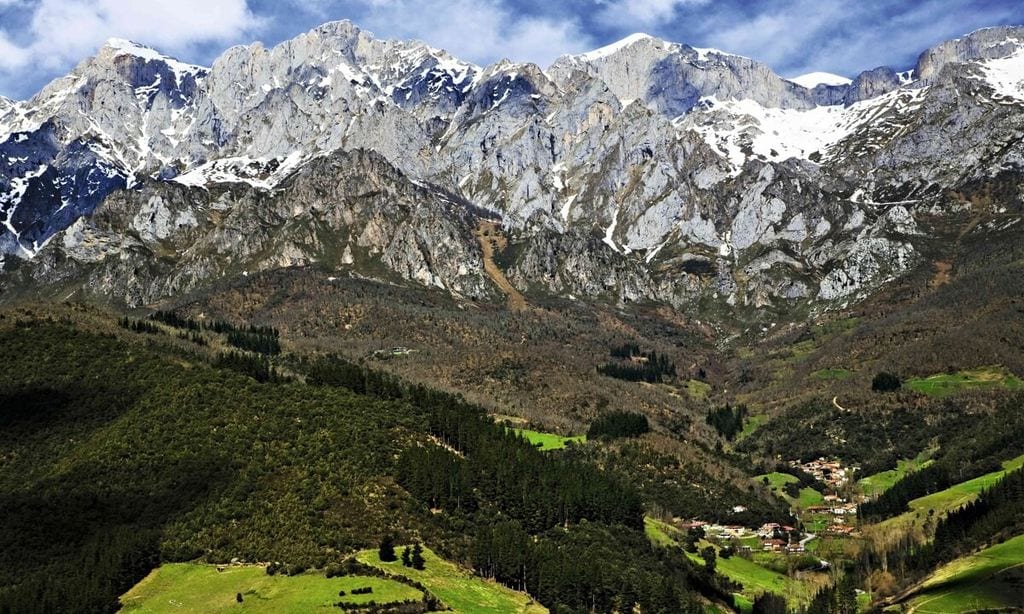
166	452
726	420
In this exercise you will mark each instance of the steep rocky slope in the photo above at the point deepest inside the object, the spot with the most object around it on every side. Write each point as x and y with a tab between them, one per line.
645	170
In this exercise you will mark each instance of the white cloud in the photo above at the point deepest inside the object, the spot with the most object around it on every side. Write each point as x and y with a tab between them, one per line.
62	32
800	36
12	55
480	31
630	14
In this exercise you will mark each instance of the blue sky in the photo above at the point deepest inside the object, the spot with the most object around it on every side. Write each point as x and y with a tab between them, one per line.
43	39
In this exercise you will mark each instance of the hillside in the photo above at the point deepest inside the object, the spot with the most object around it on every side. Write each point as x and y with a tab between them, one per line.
989	580
124	450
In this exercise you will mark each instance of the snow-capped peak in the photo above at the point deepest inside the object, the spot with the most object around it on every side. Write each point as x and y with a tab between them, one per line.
122	46
813	79
608	50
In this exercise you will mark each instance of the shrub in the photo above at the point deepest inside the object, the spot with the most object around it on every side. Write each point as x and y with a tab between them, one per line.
886	382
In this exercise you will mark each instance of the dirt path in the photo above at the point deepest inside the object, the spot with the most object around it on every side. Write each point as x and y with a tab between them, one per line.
835	401
490	237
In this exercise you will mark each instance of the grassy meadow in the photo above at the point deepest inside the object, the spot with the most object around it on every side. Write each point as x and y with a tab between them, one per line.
945	384
190	587
549	441
878	483
990	579
777	481
944	501
456	587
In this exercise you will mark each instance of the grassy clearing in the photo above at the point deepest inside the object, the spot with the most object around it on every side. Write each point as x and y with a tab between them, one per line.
945	500
549	441
457	587
835	327
878	483
990	579
755	578
697	389
743	603
799	351
810	497
776	481
833	374
189	587
752	424
660	533
945	384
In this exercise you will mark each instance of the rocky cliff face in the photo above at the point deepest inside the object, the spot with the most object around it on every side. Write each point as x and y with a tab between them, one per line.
645	170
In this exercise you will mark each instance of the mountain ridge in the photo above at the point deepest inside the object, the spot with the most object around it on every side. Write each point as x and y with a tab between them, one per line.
699	173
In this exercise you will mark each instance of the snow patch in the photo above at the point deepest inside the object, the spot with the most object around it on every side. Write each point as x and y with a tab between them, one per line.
813	79
1006	75
736	127
261	173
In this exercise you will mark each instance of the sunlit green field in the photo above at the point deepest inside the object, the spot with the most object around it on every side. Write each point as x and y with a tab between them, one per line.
776	481
189	587
880	482
945	500
945	384
697	389
990	579
458	588
549	441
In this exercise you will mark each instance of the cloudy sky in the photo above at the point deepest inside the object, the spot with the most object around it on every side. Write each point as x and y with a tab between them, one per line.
42	39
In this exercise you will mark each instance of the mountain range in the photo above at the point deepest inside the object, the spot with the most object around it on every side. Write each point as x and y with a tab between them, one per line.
642	171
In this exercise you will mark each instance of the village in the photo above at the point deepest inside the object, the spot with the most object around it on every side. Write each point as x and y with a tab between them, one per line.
839	506
834	516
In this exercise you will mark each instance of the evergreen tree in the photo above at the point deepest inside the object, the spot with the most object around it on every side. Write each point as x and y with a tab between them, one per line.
417	556
387	549
769	603
618	424
709	556
886	382
406	560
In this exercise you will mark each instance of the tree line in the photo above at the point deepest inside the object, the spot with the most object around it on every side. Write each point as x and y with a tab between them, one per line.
996	515
252	338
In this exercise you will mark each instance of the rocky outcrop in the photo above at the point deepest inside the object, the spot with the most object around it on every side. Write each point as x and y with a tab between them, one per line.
984	44
345	212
